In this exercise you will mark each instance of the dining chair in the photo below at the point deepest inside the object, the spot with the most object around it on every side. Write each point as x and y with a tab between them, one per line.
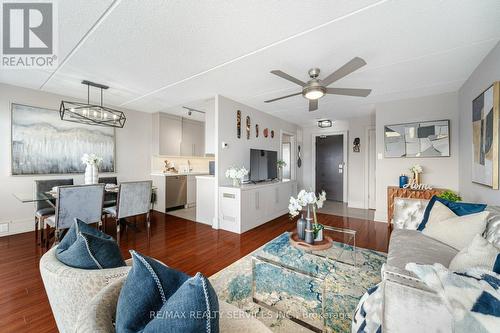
134	199
79	201
44	208
109	197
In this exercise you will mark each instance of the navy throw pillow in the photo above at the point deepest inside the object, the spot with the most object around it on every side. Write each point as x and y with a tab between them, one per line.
86	247
157	298
459	208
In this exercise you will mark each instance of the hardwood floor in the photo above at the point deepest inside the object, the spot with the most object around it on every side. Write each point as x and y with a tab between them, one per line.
182	244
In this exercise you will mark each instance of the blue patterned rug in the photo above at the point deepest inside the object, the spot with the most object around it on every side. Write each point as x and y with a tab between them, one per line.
324	294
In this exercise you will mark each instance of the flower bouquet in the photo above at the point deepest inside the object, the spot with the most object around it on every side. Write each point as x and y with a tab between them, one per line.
236	174
313	230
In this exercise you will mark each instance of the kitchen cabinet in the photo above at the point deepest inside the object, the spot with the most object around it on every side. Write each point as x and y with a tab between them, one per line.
191	191
192	138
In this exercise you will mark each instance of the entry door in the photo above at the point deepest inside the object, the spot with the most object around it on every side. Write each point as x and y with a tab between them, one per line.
330	166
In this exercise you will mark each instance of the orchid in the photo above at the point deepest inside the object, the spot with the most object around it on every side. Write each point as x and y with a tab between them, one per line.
303	199
91	159
416	169
236	173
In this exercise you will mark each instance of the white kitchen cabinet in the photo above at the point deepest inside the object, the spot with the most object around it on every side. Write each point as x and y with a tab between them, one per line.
191	191
169	134
246	207
193	138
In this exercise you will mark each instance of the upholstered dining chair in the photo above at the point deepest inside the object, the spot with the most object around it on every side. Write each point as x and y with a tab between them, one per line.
79	201
134	199
44	209
109	197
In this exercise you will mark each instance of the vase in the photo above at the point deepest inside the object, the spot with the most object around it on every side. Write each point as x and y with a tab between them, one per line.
301	227
416	178
280	174
319	236
236	182
91	174
309	232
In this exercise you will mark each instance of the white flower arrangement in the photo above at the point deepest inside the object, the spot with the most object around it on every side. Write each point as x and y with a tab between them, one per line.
303	199
236	173
416	169
91	159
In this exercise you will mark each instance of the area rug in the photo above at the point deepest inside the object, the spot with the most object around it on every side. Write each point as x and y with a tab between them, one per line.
324	294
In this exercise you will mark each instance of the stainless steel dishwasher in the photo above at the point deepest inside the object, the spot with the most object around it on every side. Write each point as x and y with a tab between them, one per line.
176	192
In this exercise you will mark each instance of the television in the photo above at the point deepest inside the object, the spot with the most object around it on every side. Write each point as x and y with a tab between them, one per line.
263	165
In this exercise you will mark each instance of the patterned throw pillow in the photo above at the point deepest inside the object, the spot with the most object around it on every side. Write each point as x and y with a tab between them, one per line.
459	208
157	298
480	253
86	247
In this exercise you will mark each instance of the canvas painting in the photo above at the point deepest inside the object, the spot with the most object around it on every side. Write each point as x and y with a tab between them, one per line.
485	123
422	139
44	144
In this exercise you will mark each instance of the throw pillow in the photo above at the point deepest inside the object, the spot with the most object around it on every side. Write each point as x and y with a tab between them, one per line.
459	208
157	298
479	253
86	247
457	231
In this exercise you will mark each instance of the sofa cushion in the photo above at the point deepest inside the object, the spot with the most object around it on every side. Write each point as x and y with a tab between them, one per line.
157	298
412	246
456	231
459	208
479	253
88	248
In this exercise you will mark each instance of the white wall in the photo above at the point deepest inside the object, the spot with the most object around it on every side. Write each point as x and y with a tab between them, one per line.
440	172
238	151
483	76
133	154
356	162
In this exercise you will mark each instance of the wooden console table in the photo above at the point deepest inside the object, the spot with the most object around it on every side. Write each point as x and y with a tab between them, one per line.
396	192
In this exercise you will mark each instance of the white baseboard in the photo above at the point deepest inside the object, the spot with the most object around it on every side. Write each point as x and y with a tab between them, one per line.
18	226
380	216
356	204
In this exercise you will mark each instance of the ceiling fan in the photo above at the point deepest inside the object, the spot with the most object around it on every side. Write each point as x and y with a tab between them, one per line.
316	88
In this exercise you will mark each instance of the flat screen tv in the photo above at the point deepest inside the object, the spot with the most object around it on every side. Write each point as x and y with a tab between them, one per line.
263	165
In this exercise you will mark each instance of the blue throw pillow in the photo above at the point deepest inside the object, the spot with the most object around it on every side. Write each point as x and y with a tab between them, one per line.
459	208
157	298
86	247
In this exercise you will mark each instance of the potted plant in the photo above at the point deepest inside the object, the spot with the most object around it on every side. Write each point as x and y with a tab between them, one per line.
416	170
309	200
281	164
92	162
450	196
236	175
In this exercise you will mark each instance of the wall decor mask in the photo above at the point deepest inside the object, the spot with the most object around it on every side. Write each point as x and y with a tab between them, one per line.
419	139
238	124
248	127
272	134
256	130
44	144
266	132
485	136
355	145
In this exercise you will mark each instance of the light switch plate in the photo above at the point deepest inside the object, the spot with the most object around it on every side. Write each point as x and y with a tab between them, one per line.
380	156
4	228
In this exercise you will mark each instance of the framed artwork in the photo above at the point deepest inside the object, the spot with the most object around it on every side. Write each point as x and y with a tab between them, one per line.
419	139
41	143
485	123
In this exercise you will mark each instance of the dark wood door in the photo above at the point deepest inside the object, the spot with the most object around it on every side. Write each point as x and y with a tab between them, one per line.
330	166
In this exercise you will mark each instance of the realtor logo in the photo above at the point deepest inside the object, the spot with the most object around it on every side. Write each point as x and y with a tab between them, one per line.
28	35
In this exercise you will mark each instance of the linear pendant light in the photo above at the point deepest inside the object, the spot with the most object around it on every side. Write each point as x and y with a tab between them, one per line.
91	114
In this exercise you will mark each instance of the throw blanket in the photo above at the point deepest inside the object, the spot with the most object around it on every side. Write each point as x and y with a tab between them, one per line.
368	315
473	297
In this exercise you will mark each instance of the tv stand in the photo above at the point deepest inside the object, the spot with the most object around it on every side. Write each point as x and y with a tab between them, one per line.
250	205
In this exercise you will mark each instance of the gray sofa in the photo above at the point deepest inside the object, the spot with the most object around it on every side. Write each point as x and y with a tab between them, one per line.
409	306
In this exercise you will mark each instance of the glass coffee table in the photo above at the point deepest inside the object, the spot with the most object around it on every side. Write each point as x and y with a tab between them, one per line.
302	285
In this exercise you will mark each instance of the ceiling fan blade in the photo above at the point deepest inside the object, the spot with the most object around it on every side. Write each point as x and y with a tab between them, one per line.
288	77
275	99
313	104
349	92
353	65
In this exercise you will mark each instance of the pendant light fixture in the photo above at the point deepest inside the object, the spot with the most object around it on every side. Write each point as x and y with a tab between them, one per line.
91	114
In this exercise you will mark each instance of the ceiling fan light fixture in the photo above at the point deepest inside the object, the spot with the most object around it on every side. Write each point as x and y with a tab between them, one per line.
314	92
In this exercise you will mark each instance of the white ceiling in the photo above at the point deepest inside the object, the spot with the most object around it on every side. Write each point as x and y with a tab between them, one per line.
159	54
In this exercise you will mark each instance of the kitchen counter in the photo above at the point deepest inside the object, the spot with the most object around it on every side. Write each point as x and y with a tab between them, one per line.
205	177
169	174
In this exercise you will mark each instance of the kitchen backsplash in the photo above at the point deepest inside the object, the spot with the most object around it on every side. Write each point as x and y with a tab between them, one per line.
198	164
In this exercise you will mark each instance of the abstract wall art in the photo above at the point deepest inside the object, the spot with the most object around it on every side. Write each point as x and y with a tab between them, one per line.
420	139
44	144
485	127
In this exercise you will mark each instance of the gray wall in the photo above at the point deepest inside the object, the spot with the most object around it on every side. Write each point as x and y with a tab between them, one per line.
483	76
133	154
440	172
